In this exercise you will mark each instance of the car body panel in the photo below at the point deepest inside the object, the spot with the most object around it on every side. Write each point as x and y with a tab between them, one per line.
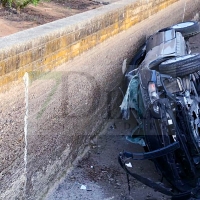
163	45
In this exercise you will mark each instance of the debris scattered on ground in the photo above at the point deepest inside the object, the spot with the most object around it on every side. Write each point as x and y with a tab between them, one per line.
128	164
112	127
83	187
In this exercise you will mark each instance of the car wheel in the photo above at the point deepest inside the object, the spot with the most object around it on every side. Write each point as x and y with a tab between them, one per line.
137	59
181	66
187	29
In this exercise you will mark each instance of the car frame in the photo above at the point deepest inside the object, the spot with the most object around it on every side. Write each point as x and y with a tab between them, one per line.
163	90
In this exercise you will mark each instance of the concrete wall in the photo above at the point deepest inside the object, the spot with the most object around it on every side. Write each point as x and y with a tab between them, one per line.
48	46
69	106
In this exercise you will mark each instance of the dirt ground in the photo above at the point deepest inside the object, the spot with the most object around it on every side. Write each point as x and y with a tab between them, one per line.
46	11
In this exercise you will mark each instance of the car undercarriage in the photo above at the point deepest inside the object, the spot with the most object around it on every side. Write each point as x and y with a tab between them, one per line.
163	94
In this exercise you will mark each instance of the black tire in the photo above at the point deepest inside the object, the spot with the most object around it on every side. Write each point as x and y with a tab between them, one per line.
187	29
137	59
181	66
134	63
164	29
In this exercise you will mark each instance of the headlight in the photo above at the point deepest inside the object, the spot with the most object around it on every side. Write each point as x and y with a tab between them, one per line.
152	92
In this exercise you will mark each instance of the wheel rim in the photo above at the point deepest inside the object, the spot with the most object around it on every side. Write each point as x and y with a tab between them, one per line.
182	25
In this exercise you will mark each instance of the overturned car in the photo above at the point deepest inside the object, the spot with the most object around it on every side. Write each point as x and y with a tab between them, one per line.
163	94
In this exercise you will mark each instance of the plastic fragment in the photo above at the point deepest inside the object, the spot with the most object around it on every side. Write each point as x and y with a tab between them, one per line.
83	187
128	164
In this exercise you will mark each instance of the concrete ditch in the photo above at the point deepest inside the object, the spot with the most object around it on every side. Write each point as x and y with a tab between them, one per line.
67	107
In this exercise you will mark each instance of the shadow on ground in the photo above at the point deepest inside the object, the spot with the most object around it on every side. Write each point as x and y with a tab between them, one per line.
99	174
